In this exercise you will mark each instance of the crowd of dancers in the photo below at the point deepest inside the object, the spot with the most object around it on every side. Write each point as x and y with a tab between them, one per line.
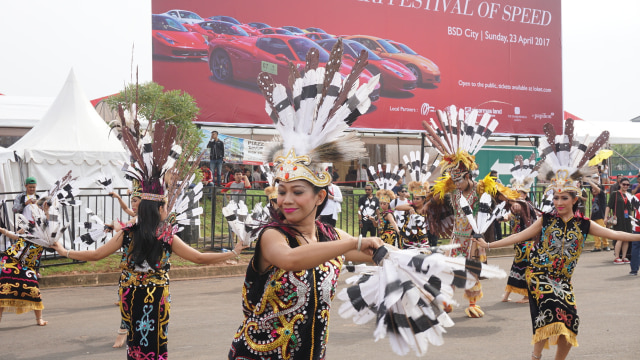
402	281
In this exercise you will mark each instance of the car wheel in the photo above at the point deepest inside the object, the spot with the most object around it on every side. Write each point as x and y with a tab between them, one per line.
220	65
415	72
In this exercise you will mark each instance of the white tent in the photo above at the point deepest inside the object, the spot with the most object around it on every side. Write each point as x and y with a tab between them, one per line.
619	132
70	136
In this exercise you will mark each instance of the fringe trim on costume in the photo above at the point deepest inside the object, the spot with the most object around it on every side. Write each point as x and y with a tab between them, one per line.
475	293
551	333
516	290
20	306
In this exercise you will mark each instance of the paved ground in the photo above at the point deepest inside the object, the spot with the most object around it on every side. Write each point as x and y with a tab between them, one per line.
205	314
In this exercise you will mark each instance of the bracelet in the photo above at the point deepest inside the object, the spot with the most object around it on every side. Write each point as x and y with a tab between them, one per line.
68	253
359	242
234	252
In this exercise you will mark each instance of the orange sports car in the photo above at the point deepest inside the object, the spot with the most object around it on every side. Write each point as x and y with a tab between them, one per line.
425	70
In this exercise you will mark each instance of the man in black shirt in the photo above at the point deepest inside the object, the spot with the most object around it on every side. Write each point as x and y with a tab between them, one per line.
216	156
368	209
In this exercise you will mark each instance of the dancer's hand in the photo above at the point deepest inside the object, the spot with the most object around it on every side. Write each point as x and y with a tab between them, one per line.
57	246
370	244
481	242
239	246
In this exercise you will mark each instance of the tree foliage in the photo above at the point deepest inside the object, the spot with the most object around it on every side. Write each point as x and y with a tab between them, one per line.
174	106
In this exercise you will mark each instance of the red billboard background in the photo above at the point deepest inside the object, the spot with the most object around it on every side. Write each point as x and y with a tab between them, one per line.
499	56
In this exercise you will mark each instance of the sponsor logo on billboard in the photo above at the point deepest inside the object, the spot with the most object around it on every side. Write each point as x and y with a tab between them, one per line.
425	109
543	116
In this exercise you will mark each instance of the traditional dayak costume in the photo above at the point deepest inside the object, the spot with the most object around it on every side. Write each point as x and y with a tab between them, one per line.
286	313
458	138
554	257
385	181
19	288
144	287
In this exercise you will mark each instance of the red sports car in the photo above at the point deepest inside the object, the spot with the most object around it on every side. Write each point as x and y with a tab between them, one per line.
244	58
172	39
425	70
394	76
212	29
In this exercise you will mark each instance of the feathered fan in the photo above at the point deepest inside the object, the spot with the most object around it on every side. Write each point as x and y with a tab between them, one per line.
95	234
322	105
242	223
485	216
187	209
407	295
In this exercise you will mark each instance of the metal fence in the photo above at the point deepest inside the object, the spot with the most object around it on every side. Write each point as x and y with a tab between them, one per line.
213	232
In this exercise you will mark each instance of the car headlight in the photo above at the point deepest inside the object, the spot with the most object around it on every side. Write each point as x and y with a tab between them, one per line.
167	39
393	70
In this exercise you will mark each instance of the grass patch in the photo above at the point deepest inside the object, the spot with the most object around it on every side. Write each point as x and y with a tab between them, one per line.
112	264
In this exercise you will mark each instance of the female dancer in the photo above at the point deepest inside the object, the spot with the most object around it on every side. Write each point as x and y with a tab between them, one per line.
414	232
559	240
144	282
19	288
520	221
523	217
292	277
388	229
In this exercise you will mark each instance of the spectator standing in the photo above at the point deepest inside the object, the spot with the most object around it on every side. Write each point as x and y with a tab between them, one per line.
334	175
28	197
329	215
228	174
256	177
620	209
598	206
635	246
403	198
636	186
363	176
216	156
368	212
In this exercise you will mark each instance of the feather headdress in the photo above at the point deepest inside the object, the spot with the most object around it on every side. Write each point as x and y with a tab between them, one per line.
385	179
420	172
458	138
523	173
311	122
566	159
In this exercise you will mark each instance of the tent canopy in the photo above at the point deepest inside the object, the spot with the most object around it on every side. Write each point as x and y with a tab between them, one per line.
619	132
70	136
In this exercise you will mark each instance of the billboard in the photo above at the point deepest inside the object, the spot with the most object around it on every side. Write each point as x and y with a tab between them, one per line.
500	56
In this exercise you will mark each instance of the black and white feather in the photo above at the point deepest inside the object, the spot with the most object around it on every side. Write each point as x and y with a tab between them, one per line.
323	103
94	236
105	183
420	170
485	216
564	153
187	207
407	293
242	223
385	178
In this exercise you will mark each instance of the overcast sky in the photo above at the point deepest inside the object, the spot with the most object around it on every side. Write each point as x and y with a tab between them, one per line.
42	39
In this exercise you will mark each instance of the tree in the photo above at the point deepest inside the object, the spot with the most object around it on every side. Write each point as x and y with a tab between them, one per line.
174	106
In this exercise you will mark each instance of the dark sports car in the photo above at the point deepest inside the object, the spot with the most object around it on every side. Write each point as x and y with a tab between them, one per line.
425	70
258	25
230	19
244	58
293	29
172	39
394	76
276	30
212	29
